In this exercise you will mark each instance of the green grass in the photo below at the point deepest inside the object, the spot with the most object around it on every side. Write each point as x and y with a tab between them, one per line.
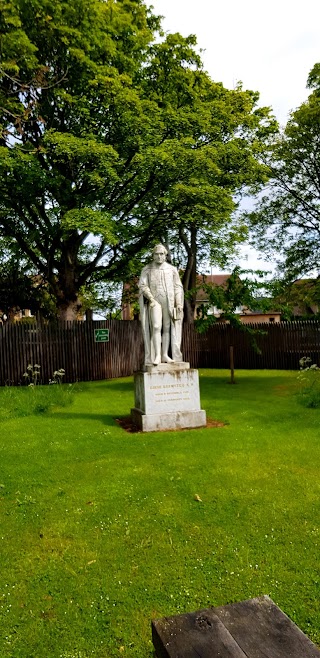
100	530
18	402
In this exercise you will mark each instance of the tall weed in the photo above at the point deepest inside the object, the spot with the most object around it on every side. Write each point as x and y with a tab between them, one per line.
19	401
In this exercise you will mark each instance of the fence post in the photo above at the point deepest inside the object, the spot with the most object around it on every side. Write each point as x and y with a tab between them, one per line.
232	380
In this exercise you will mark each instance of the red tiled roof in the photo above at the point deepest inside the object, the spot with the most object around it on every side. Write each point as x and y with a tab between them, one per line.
216	279
213	279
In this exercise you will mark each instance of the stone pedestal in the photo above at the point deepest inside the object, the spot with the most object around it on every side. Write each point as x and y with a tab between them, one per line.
167	397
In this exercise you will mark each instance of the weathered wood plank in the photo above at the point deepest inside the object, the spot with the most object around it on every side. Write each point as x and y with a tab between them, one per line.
196	635
251	629
262	630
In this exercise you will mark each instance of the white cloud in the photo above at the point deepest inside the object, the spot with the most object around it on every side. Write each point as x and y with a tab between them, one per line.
270	47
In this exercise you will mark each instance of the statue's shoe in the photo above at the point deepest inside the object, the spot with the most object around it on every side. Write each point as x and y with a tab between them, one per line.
166	359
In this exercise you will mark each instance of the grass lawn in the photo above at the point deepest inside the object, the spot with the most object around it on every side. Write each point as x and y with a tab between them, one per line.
100	530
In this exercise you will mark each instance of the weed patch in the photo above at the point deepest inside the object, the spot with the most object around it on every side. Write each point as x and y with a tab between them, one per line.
19	402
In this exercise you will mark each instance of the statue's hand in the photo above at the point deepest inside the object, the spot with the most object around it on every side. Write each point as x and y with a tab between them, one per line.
153	303
177	313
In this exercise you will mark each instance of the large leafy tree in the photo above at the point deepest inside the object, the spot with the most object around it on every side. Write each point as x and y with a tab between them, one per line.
286	221
20	286
110	140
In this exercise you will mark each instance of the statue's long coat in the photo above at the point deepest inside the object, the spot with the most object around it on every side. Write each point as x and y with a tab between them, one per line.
174	292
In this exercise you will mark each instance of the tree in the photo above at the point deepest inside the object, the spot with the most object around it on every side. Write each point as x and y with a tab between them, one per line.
286	220
20	288
106	133
243	288
298	299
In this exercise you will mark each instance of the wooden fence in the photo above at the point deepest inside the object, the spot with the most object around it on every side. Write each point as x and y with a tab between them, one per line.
275	345
72	346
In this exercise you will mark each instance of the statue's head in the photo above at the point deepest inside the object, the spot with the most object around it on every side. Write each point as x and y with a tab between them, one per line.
159	253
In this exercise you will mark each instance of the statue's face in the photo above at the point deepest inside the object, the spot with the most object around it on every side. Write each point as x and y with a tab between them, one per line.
159	255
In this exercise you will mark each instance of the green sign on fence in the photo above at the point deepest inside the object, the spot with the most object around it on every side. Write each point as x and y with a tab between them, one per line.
101	335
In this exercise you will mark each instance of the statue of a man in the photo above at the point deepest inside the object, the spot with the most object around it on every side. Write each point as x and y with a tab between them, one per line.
161	307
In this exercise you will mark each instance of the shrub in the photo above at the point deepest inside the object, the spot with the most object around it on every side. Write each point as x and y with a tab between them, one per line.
309	383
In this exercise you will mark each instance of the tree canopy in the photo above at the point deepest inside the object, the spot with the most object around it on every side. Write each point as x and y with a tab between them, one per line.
286	221
20	287
112	136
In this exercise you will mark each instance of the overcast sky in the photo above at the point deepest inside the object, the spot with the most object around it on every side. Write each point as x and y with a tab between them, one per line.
269	46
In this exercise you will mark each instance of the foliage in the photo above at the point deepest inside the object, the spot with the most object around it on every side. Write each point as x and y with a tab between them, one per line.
108	130
101	526
238	293
32	374
20	286
102	298
229	298
297	300
19	402
287	217
309	383
57	376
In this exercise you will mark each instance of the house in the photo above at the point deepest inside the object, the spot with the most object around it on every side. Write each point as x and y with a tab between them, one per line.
304	297
245	314
130	306
202	298
259	316
15	314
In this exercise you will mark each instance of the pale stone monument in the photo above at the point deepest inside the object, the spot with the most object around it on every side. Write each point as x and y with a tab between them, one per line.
166	389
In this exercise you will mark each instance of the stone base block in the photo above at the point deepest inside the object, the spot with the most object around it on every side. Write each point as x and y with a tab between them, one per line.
175	366
166	391
172	421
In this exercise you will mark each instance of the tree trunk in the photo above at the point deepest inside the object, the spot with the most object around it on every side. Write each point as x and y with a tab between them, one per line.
70	311
11	314
67	287
189	279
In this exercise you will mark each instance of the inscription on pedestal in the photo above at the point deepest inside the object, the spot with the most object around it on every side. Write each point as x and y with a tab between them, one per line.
166	392
167	397
171	392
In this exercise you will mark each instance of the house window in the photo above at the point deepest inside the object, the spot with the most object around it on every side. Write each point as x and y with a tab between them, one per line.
271	319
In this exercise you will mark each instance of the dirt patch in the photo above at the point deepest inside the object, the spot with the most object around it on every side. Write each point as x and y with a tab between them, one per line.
215	423
283	389
126	423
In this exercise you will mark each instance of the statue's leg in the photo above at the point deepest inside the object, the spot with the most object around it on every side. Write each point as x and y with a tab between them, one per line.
176	336
166	328
156	320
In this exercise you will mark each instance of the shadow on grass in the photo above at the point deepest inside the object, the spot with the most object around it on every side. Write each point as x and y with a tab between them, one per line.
243	380
105	419
106	385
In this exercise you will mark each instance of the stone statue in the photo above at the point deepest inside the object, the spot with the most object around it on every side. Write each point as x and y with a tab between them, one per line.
161	308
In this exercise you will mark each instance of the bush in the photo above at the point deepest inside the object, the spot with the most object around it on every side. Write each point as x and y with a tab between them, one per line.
309	383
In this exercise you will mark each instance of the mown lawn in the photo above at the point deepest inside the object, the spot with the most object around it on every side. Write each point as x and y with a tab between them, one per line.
100	530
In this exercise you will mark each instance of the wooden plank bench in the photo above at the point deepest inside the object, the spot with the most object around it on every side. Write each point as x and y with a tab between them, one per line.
252	629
